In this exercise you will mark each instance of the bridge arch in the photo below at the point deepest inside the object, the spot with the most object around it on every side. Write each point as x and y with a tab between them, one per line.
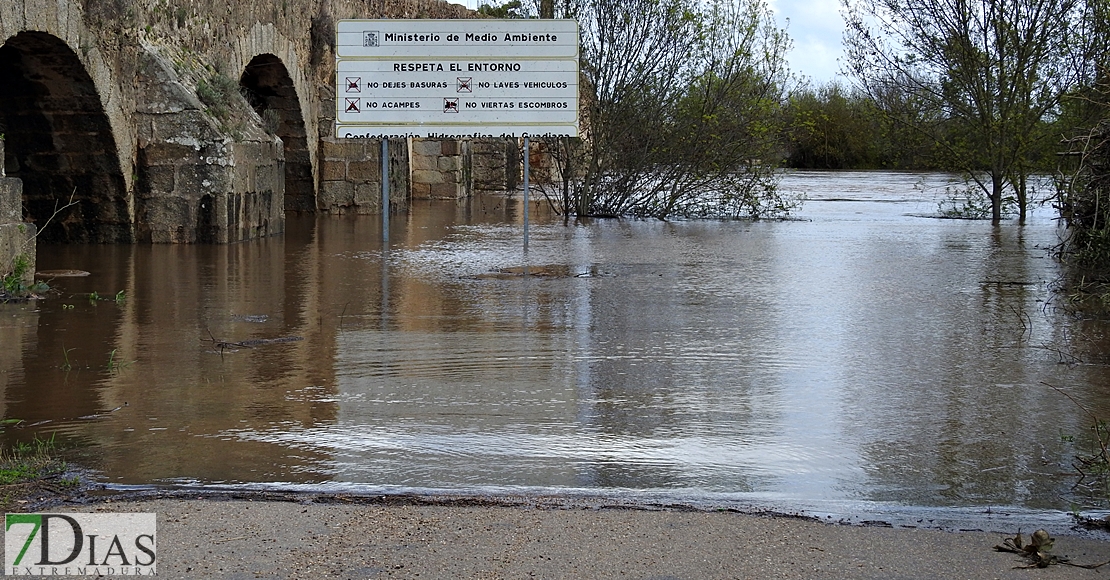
60	142
266	56
272	94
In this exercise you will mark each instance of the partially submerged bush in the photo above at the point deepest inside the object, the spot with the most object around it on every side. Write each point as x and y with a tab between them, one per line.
1084	203
16	285
680	111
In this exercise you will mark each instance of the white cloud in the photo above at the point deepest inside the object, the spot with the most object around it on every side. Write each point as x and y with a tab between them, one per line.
817	29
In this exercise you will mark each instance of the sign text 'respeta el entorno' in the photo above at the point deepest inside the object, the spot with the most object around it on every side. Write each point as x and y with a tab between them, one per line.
456	78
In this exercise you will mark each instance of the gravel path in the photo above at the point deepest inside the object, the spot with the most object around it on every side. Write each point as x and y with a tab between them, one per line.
245	539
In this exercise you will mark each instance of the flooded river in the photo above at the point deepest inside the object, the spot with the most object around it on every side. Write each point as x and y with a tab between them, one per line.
864	361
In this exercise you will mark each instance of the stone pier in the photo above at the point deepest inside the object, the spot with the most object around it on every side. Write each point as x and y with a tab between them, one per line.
16	237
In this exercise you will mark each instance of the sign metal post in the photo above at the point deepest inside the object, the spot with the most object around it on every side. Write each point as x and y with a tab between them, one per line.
526	156
385	191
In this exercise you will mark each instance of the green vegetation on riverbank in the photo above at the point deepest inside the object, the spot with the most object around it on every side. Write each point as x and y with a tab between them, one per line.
27	461
838	127
14	284
30	471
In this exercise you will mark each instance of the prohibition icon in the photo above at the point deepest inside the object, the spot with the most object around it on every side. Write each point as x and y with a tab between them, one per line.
450	105
464	84
352	106
353	84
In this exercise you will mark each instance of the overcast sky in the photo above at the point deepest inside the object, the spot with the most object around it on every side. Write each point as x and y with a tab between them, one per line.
816	28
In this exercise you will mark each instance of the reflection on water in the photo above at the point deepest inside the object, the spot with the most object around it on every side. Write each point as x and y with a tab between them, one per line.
861	356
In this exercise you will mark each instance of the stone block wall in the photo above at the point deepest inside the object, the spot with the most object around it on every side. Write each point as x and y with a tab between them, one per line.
437	169
494	164
164	167
16	237
351	176
456	169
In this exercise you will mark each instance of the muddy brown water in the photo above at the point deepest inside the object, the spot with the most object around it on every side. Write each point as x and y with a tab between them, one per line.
864	361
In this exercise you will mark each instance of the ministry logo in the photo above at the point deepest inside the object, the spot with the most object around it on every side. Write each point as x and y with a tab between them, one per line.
80	544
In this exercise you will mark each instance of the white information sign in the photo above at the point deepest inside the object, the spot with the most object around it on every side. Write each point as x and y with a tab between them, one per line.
456	78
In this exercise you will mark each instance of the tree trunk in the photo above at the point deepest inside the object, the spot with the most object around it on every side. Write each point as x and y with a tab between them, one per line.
996	197
568	173
1023	199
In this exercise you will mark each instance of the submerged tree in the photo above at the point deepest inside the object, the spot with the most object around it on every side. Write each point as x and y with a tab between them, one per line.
680	110
1084	191
1085	202
988	73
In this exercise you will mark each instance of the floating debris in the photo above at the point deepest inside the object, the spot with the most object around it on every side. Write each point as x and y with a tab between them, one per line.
6	297
224	345
256	318
61	273
101	414
97	415
260	341
1037	551
546	271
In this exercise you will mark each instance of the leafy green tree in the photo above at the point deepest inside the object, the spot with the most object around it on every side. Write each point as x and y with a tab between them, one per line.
833	127
1086	105
1084	190
986	74
829	129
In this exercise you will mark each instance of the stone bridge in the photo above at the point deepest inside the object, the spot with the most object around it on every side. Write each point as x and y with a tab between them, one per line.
191	121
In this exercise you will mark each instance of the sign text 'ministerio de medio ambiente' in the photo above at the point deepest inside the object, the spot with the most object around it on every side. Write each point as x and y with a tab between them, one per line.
468	37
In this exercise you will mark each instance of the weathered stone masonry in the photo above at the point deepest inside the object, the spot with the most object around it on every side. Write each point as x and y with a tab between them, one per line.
350	175
16	237
120	125
108	103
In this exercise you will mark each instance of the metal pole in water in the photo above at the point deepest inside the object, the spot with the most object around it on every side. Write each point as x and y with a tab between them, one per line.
384	318
526	193
385	192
